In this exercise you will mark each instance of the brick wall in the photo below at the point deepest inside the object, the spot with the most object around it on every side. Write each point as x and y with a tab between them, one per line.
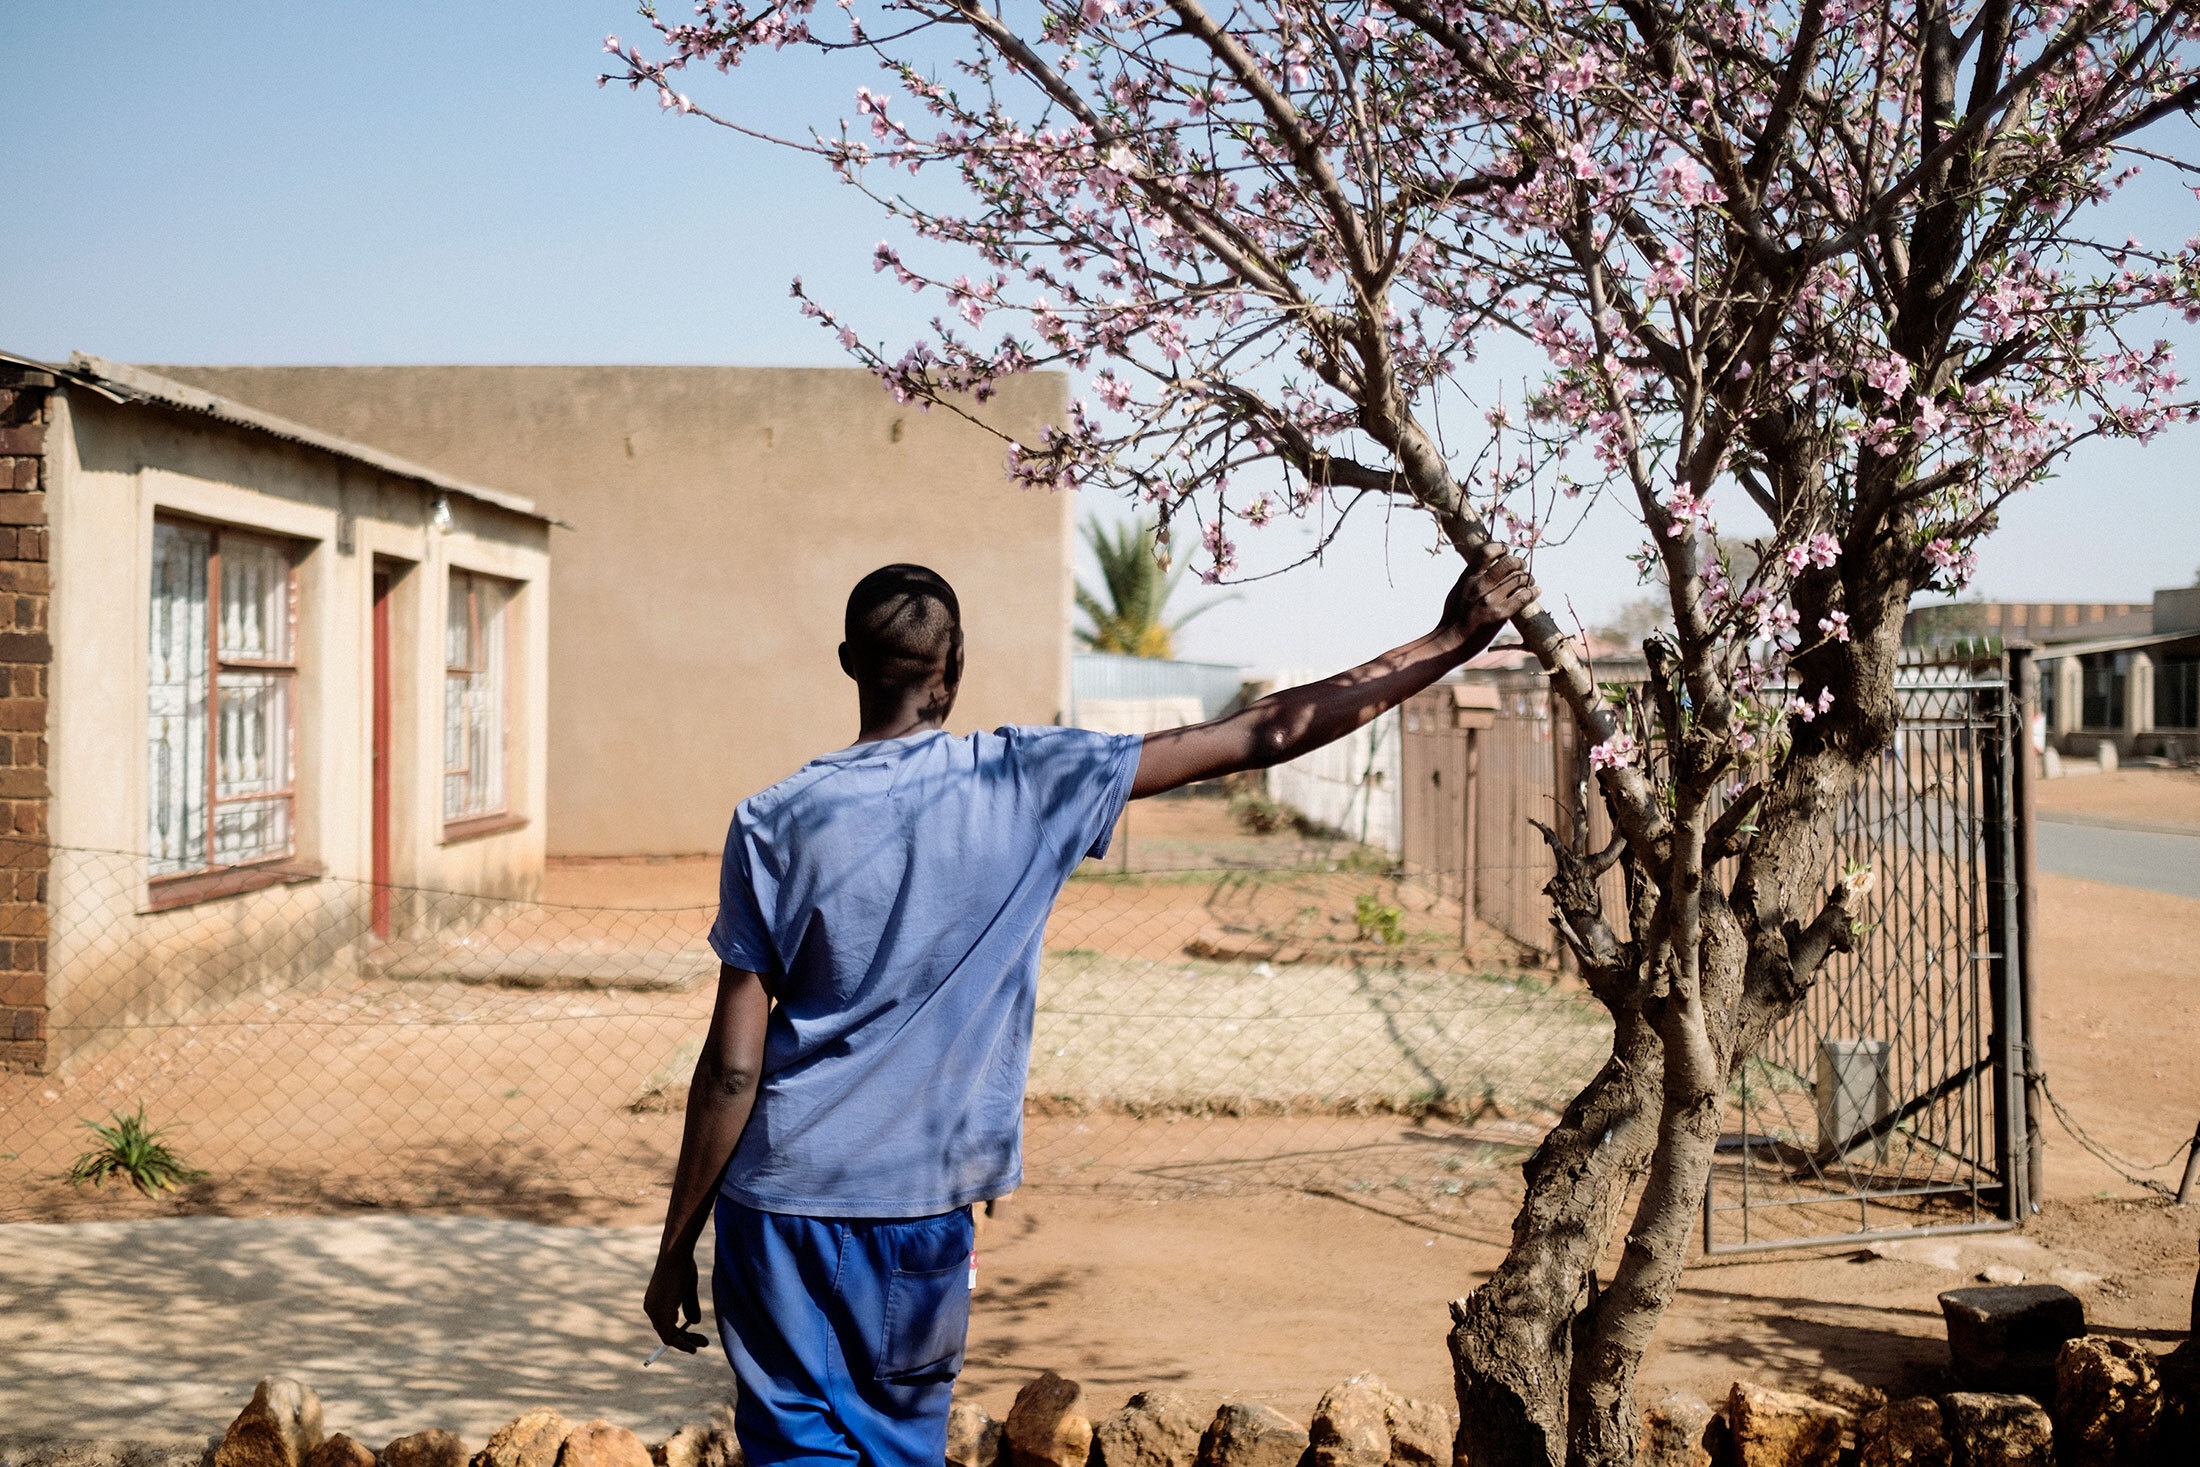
25	653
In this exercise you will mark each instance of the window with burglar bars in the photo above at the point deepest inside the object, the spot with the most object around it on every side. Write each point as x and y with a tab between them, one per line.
221	695
475	645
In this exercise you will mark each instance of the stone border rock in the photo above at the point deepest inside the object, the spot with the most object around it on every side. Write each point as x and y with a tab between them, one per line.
2113	1404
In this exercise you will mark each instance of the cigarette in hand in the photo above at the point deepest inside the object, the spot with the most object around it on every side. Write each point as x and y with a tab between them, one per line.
655	1355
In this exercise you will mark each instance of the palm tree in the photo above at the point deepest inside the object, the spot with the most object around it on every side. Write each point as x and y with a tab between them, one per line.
1130	620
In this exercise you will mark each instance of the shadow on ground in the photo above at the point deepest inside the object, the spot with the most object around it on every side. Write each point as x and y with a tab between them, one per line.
157	1329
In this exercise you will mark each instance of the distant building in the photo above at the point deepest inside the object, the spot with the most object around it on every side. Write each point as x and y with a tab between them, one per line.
2121	673
252	677
2137	689
1117	694
2039	622
721	515
1349	786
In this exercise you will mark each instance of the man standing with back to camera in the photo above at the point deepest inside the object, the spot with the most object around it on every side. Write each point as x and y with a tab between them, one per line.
879	923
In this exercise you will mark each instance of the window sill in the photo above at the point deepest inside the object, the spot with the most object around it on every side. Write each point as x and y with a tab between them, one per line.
481	825
166	893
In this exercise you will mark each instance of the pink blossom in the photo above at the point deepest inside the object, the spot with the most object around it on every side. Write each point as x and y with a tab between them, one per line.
1835	624
1682	180
1614	752
1776	618
1890	375
1576	76
1221	552
1669	276
1686	511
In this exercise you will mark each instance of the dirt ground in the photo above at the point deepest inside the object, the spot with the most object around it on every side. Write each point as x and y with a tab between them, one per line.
1283	1298
2151	796
1275	1295
1253	1255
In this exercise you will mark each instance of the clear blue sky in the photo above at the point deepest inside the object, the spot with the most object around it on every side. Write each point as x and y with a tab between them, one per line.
405	181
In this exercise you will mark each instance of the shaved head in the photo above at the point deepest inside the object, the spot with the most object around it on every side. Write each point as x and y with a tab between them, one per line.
903	629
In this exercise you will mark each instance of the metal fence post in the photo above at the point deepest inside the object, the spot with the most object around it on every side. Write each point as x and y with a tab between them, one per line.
2005	1043
2024	676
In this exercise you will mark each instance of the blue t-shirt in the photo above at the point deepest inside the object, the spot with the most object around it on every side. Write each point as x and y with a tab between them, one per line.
893	896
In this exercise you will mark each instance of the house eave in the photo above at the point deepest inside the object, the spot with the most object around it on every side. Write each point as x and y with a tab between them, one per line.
121	383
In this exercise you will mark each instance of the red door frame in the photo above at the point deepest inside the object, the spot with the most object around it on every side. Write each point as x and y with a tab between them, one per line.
383	579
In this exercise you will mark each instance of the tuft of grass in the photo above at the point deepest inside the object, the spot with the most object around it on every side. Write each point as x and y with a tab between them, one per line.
1378	921
134	1151
1257	814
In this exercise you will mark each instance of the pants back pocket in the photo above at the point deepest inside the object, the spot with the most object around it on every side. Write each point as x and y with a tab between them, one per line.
927	1322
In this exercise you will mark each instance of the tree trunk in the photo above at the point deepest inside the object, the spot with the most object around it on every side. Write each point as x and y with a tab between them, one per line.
1511	1339
1695	1019
1544	1361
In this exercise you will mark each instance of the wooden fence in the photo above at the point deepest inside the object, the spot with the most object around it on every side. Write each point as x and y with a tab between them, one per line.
1481	760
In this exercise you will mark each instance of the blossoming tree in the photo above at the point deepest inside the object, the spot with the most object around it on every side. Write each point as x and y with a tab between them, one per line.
1841	266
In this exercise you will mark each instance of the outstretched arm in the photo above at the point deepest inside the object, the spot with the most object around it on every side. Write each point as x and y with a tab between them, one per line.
1284	725
720	1096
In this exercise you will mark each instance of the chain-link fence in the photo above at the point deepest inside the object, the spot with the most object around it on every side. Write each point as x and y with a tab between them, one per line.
1217	1009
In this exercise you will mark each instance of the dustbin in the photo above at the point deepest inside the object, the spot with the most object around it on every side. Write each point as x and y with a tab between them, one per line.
1853	1092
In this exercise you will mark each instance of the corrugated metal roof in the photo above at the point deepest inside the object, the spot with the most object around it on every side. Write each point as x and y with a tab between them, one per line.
132	384
2115	644
1110	676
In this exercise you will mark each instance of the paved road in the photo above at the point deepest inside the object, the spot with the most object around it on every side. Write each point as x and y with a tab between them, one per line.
2152	860
157	1329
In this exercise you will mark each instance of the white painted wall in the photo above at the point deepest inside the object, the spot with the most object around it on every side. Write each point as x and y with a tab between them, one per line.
1352	785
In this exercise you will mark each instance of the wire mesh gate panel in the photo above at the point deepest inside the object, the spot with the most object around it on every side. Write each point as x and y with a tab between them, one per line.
1889	1103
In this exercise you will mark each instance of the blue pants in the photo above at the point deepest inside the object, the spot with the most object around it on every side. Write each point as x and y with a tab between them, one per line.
845	1334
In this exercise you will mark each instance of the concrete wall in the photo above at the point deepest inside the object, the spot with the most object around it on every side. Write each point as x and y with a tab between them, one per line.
721	515
110	470
2177	610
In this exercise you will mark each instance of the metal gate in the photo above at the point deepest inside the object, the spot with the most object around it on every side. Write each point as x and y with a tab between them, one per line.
1892	1102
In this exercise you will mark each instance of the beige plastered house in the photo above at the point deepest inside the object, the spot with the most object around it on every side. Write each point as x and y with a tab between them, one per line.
257	677
721	515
